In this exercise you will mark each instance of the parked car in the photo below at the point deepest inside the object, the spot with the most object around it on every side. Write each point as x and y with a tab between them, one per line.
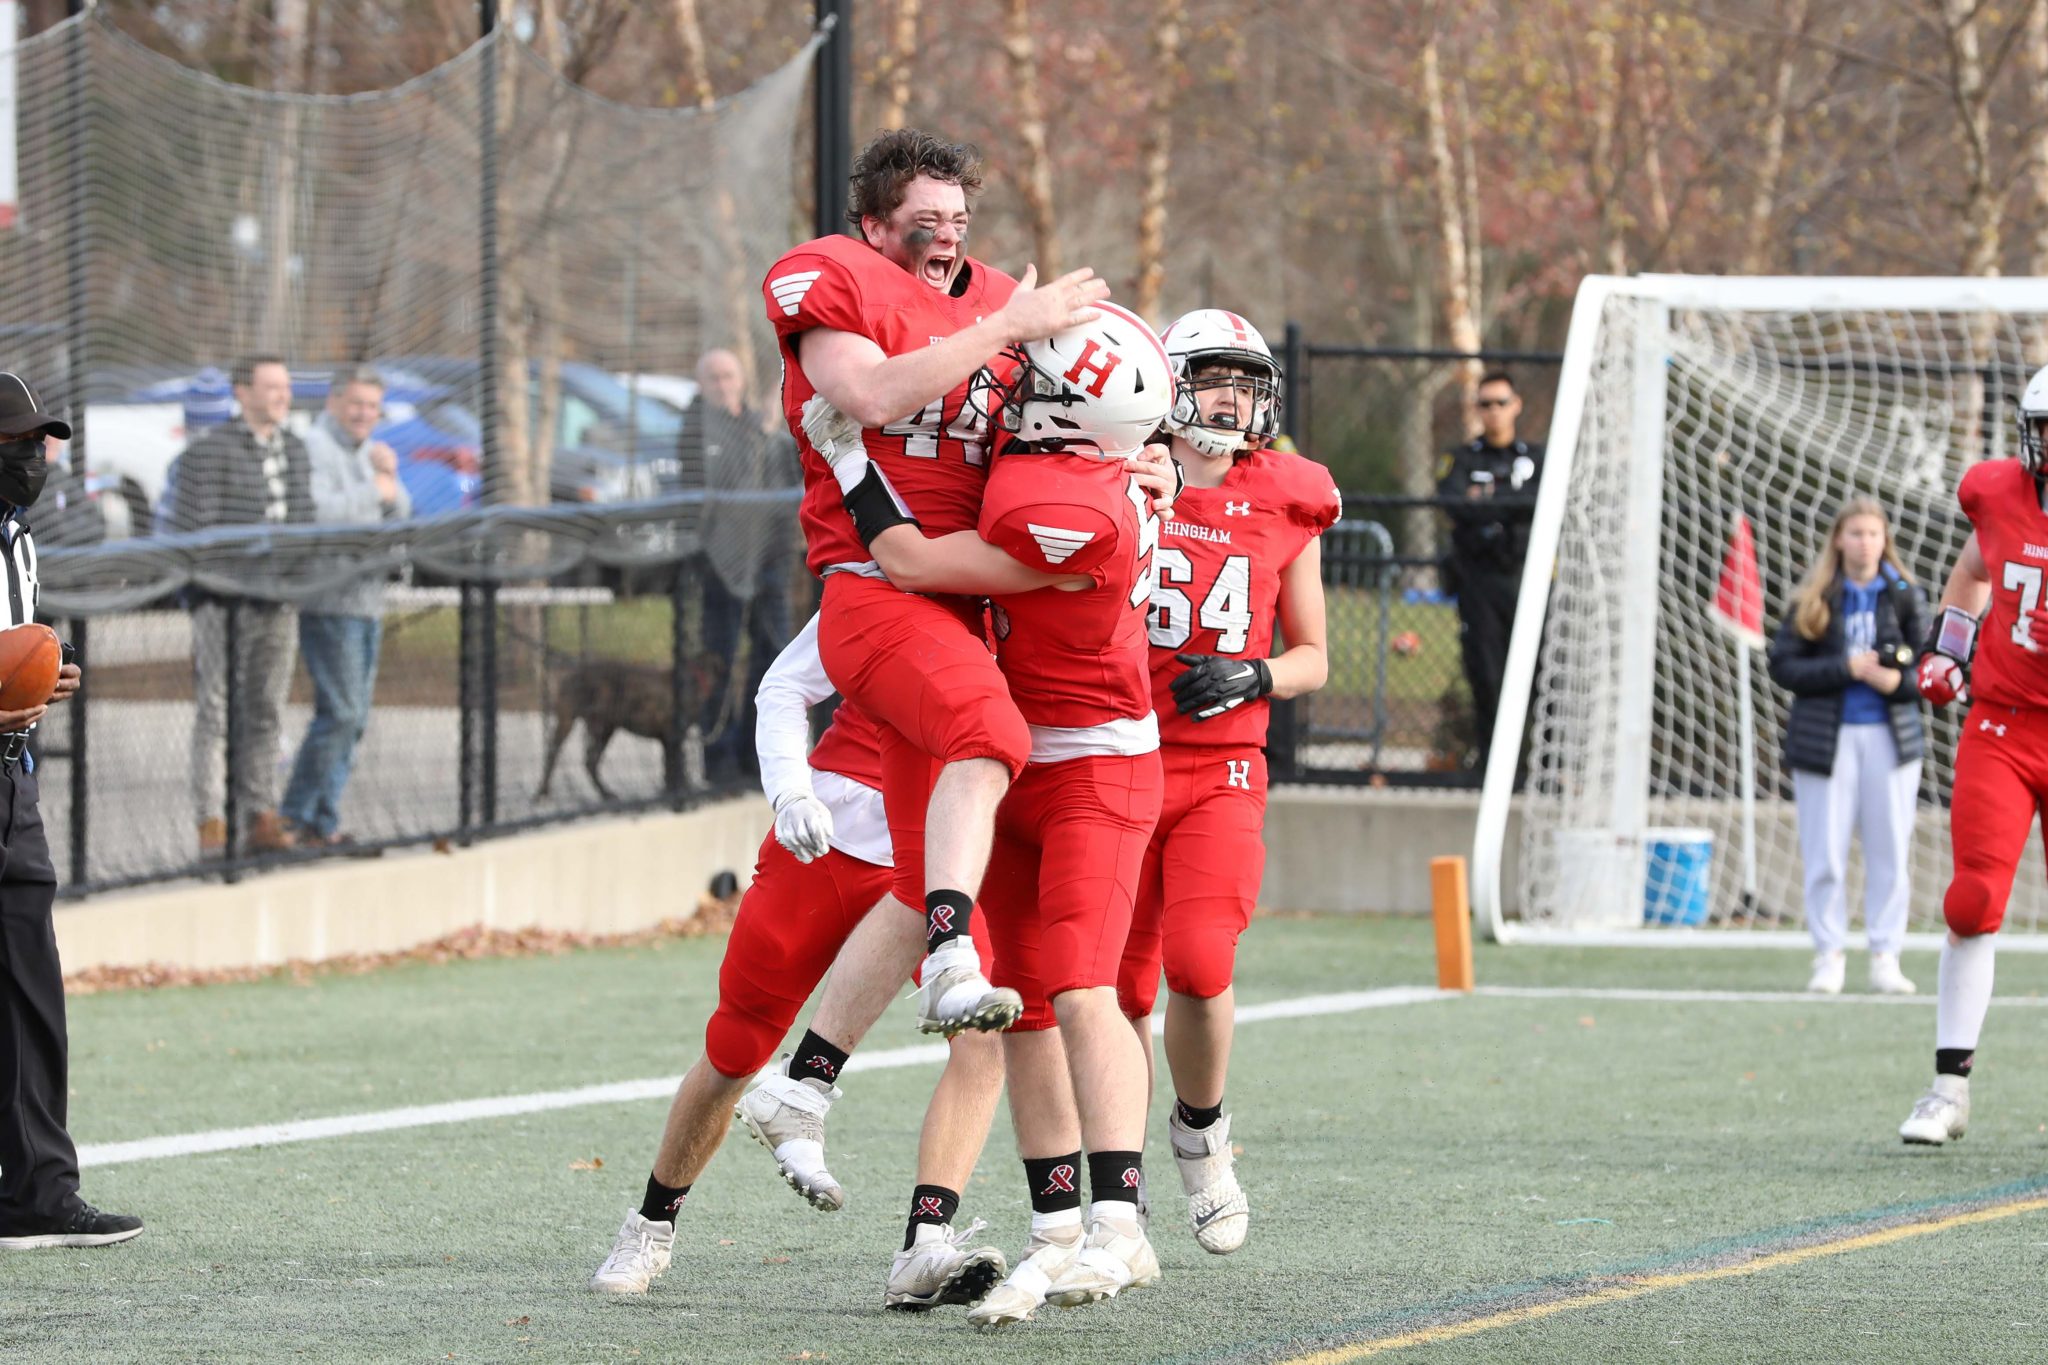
672	389
610	444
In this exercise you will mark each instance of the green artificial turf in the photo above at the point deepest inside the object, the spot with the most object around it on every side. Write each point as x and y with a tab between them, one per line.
1409	1165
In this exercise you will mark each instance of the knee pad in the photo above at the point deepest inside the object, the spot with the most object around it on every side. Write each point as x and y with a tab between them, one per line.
739	1042
1201	965
1973	905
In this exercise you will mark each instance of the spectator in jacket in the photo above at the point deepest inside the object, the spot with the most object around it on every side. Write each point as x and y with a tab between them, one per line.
730	447
1846	651
243	473
355	483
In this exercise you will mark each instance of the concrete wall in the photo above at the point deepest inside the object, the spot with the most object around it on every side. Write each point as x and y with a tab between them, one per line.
1367	850
595	876
1328	849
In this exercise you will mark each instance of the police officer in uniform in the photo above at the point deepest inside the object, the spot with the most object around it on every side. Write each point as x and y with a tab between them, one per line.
39	1203
1488	486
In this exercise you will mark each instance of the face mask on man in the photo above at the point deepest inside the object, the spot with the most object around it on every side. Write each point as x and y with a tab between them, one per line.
23	469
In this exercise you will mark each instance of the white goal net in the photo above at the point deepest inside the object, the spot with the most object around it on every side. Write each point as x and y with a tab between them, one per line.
1655	799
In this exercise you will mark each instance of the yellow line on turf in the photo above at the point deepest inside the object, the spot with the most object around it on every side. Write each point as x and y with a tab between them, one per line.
1640	1286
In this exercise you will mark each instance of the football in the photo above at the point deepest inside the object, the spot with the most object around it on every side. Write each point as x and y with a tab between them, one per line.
29	659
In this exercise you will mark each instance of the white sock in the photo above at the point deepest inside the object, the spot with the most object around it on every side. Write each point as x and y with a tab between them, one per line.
1965	991
1055	1221
1123	1210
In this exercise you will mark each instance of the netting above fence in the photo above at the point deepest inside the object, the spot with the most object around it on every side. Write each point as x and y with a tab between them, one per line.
488	221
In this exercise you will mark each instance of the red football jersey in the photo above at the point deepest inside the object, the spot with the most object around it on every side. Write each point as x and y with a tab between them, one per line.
1073	659
851	746
937	459
1220	557
2000	499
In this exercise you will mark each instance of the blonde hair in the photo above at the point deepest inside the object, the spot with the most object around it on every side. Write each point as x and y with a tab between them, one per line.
1810	612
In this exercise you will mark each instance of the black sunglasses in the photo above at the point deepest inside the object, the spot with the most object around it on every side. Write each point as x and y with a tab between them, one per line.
1494	402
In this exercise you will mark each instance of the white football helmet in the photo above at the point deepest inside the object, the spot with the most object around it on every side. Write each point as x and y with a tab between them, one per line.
1215	337
1105	385
2033	410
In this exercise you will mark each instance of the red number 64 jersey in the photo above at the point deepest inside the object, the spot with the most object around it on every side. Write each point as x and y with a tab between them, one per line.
2011	667
1219	558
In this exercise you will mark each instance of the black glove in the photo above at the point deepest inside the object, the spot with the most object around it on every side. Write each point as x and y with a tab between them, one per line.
1214	685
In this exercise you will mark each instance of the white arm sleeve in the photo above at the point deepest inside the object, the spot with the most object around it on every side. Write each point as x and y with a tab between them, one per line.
793	684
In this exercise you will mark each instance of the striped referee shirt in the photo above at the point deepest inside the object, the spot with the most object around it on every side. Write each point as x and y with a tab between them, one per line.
22	585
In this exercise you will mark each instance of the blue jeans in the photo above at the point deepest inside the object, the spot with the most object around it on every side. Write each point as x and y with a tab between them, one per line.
340	653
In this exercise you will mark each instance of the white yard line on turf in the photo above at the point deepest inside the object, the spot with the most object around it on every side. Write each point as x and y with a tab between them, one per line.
618	1092
1687	997
661	1087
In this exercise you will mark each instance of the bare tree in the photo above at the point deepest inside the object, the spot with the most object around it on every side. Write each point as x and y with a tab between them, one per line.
1763	203
2037	143
1970	90
739	297
899	60
1036	183
1461	327
690	33
1156	156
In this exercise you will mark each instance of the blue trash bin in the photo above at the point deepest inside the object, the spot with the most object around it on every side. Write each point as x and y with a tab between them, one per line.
1678	883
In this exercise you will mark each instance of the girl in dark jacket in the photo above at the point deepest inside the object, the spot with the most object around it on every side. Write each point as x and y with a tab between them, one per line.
1846	652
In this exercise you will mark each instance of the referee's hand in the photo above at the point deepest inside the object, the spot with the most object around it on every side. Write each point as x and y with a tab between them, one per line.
10	721
67	683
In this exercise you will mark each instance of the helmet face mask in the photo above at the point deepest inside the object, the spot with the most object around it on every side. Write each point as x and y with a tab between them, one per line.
2032	414
1214	349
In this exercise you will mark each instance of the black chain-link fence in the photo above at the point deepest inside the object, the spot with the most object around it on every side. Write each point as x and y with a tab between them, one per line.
1397	709
535	665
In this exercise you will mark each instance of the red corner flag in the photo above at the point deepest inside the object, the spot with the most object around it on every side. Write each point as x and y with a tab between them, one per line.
1739	597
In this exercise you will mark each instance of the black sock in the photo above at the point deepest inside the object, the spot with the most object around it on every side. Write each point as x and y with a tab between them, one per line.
1114	1175
816	1059
929	1204
1054	1181
945	917
1198	1119
663	1202
1954	1061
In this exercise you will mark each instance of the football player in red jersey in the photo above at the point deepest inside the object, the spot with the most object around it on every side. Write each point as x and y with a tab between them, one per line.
2000	656
888	330
1240	555
822	869
1062	506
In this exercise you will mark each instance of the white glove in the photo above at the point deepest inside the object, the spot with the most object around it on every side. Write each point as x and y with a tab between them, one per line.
803	825
837	438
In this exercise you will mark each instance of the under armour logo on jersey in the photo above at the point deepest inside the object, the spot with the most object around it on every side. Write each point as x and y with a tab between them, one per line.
1057	543
789	290
1240	772
1237	509
1130	1177
1059	1180
942	921
1998	730
930	1206
823	1064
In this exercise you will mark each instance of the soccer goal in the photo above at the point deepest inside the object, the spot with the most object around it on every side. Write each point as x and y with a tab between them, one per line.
1705	431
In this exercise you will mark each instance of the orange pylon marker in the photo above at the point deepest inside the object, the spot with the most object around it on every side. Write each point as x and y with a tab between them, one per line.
1451	907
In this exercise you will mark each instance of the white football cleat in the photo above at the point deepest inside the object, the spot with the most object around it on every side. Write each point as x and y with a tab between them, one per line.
1024	1289
939	1268
1829	972
953	995
1217	1208
1941	1115
1886	978
640	1254
1117	1257
787	1117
